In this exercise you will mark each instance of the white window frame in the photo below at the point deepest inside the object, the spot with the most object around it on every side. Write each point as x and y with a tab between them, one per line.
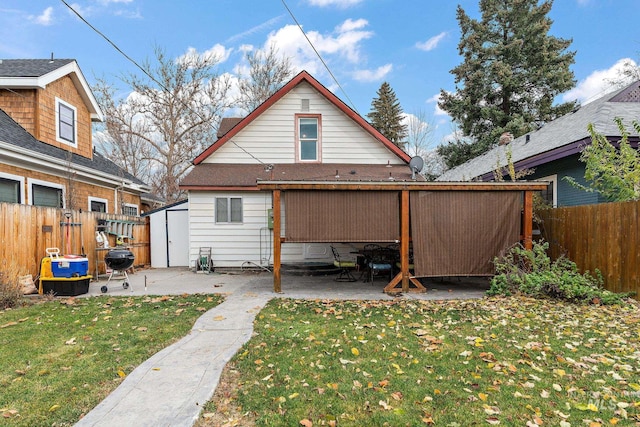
553	179
31	182
19	179
215	210
59	138
99	200
299	138
132	206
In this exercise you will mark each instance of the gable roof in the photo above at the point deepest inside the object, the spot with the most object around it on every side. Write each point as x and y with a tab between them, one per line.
302	77
559	138
16	142
38	73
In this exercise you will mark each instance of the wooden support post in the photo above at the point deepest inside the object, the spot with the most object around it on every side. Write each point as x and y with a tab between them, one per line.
277	242
403	278
527	226
404	240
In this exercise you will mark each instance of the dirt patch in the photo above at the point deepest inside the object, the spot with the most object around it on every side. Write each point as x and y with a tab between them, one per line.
223	409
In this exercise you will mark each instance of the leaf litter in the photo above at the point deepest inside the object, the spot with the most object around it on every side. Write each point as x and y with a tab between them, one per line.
502	361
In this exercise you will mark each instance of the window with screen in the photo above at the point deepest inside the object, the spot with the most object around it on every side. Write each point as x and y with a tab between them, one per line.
10	190
97	205
228	209
66	122
308	138
129	209
43	195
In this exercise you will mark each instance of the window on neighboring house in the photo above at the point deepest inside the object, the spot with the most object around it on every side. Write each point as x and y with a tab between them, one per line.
97	205
550	195
65	122
308	133
228	209
47	195
11	188
129	209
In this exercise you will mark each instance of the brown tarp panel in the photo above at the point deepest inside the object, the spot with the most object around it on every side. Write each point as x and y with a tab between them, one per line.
460	233
342	216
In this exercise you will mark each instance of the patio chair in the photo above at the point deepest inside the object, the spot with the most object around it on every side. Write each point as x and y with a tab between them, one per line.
345	267
381	261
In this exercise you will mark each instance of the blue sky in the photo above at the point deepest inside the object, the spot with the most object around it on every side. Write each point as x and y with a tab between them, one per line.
412	44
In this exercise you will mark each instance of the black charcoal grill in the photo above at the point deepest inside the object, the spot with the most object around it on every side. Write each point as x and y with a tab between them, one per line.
119	261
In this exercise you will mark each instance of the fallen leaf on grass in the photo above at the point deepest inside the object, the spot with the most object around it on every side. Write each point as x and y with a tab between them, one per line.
142	329
306	423
9	413
54	408
71	341
6	325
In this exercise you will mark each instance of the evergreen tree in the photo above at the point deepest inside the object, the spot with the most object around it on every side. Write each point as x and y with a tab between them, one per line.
386	115
511	72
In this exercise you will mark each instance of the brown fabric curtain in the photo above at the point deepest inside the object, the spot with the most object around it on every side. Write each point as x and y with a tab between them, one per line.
342	216
459	233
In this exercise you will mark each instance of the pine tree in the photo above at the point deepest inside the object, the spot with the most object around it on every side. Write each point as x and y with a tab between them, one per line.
511	72
386	115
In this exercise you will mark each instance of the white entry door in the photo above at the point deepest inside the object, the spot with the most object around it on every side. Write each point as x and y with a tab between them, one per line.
178	238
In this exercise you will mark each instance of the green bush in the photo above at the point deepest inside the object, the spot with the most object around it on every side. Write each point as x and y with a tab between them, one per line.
533	273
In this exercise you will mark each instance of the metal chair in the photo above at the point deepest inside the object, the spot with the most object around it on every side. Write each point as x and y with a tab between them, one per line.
381	261
345	267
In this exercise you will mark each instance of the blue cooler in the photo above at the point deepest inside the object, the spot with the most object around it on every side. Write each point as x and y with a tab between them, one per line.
69	266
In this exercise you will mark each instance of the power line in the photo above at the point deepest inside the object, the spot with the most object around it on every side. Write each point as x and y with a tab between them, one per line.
320	57
148	74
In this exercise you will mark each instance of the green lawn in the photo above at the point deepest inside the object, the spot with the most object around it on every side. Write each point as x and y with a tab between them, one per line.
496	361
60	358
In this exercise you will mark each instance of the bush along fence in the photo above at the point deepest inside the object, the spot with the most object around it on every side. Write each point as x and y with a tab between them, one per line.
603	236
27	231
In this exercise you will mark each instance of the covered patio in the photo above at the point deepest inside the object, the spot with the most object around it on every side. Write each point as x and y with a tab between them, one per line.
455	229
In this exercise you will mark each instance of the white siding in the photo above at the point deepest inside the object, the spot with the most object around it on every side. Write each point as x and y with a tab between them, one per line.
234	244
270	137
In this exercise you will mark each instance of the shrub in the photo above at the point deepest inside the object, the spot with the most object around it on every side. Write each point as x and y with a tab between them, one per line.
10	287
531	272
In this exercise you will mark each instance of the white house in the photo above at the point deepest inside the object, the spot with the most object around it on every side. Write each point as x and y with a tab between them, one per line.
301	133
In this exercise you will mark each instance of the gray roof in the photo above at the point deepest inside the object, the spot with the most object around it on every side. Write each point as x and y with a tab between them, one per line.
30	67
559	138
12	133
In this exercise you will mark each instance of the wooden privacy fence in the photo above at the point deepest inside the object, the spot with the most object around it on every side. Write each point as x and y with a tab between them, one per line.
603	237
27	231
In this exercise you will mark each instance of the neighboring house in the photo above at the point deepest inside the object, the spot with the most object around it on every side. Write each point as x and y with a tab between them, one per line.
301	133
553	151
47	157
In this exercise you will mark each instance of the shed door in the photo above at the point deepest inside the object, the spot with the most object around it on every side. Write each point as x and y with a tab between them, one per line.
178	238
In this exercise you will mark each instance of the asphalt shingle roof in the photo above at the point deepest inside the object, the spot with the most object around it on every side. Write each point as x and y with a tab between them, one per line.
568	129
30	67
246	175
12	133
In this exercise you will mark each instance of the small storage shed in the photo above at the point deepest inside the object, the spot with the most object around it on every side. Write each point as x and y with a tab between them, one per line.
169	235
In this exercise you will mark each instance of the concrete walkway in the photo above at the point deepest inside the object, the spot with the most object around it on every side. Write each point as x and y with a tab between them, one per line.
170	388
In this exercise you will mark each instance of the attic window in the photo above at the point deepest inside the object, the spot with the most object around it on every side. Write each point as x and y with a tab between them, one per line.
304	105
66	123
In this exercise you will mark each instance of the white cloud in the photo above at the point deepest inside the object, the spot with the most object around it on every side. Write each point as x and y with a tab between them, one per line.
343	4
217	52
45	18
344	42
597	83
373	75
263	26
432	43
437	110
108	2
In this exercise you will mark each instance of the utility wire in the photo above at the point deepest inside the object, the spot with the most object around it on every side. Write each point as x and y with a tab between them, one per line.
320	57
146	72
